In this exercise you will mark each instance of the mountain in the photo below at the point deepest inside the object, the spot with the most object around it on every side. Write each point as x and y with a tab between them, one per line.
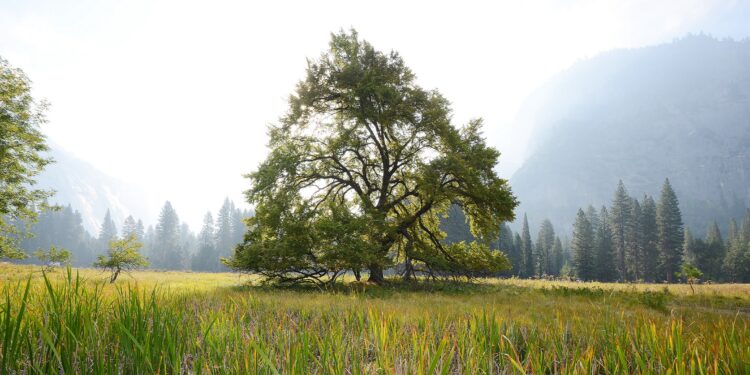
679	111
90	191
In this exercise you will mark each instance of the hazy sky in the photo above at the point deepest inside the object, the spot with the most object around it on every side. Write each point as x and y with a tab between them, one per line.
175	96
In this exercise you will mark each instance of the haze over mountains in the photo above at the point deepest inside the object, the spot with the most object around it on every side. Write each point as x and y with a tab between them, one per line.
91	191
679	111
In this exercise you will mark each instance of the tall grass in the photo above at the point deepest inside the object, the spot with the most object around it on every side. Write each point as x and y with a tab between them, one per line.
65	323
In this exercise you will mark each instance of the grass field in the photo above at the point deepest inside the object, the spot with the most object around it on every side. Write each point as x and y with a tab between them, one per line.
182	322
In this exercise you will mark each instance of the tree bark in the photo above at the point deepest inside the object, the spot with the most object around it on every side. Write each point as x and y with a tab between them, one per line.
376	274
114	276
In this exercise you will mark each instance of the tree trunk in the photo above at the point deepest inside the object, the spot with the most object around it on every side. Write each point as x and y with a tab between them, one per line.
357	275
376	274
114	276
408	270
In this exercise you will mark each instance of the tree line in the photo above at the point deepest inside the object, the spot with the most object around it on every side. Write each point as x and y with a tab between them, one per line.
632	240
170	244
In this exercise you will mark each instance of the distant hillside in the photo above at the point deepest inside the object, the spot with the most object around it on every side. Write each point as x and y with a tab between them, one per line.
90	191
680	110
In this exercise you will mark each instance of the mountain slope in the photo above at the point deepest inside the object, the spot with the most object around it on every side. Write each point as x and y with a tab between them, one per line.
679	111
90	191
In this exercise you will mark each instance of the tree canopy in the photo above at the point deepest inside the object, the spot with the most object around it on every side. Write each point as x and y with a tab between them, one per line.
123	255
21	156
361	169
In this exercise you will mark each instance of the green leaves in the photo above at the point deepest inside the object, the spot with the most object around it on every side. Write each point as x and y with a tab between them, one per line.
362	166
21	147
123	255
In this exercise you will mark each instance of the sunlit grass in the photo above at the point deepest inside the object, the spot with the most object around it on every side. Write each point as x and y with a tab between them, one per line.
182	322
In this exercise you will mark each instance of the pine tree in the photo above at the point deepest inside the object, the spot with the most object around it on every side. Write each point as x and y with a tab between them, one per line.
620	214
737	262
167	251
544	243
518	268
224	232
669	225
557	257
207	259
237	226
740	252
744	233
188	245
604	259
140	232
634	243
650	239
129	227
593	217
107	233
149	244
506	245
688	248
732	232
716	253
583	249
527	249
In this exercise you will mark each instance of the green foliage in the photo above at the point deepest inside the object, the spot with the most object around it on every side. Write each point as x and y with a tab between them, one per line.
669	226
583	250
53	257
470	260
543	249
689	273
527	249
123	255
21	147
620	214
604	256
650	239
362	143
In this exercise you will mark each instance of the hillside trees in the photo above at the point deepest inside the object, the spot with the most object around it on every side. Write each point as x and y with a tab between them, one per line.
583	250
669	226
363	143
527	249
207	258
620	222
167	251
107	232
543	254
604	260
21	157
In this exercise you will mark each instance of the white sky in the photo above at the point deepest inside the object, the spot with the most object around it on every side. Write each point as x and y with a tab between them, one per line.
175	96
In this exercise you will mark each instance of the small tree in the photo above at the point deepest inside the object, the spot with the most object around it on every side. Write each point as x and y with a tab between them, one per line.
690	273
123	255
53	257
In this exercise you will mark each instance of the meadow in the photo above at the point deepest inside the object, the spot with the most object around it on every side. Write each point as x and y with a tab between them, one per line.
73	321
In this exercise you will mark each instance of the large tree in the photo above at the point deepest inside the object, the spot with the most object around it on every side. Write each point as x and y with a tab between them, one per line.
22	147
361	169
